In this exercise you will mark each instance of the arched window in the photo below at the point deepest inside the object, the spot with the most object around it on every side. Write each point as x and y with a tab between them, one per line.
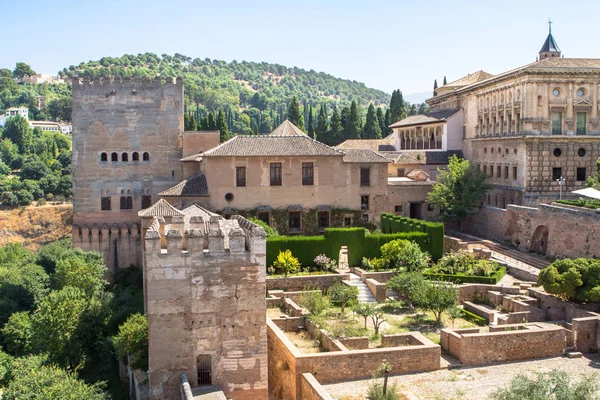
146	156
124	157
103	157
114	157
135	156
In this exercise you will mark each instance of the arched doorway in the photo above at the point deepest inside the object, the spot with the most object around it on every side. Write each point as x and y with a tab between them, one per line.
539	240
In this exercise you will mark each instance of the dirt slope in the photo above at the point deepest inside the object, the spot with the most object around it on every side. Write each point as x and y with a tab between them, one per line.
36	225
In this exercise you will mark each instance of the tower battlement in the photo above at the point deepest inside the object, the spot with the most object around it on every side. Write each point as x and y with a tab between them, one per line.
116	82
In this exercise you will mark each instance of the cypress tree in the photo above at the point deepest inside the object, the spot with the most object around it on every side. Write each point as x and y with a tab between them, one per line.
435	86
397	107
371	129
222	126
294	114
353	127
212	125
336	132
381	119
445	81
322	125
311	123
388	121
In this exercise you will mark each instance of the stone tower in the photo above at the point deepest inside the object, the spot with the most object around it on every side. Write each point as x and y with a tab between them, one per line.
126	149
550	48
205	300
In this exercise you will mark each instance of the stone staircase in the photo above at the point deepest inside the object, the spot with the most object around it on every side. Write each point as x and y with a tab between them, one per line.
364	293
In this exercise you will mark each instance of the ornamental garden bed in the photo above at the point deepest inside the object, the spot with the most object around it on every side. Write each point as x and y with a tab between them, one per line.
465	267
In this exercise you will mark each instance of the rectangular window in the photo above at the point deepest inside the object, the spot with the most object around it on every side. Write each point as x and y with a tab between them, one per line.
400	172
240	176
294	218
581	123
398	209
264	216
581	174
556	123
126	203
505	172
323	219
365	176
514	173
365	218
347	221
498	171
146	201
275	174
307	174
485	170
105	203
556	173
364	202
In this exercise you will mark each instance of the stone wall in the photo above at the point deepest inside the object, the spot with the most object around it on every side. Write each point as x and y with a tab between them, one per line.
207	303
506	343
301	283
312	389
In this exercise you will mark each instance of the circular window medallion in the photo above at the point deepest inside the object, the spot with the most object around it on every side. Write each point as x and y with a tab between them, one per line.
580	93
229	197
557	152
581	152
556	92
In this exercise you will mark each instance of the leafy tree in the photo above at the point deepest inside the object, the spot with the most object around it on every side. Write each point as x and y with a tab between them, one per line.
21	285
353	126
49	255
22	70
322	125
572	279
17	334
18	131
9	151
60	108
35	379
459	190
343	294
294	114
6	365
437	298
314	301
364	310
407	285
34	168
372	130
132	340
269	230
557	385
82	270
4	169
405	255
286	263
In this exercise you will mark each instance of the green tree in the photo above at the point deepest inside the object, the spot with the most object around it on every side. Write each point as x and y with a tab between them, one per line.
459	190
22	70
388	122
405	255
572	279
269	230
364	310
18	131
34	168
212	124
557	385
294	114
407	286
337	130
372	130
445	81
343	294
21	285
82	270
437	298
322	125
311	123
353	126
222	126
381	119
314	301
17	334
286	263
132	340
397	107
9	151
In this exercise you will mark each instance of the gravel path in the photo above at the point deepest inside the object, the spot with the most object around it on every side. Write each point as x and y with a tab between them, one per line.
468	382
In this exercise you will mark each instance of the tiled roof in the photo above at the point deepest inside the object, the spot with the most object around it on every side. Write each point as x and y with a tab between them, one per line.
194	186
470	79
267	146
372	144
398	157
160	209
431	117
193	157
287	129
441	157
363	156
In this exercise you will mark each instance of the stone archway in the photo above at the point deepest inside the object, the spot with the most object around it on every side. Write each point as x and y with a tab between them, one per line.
539	240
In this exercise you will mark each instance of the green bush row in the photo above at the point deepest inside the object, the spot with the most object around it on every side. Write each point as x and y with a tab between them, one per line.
462	278
359	241
391	223
474	318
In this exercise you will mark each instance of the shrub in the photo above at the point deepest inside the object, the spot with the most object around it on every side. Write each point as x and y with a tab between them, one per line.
462	278
557	385
407	286
269	230
404	255
464	262
437	298
132	340
572	279
343	294
474	318
314	301
325	263
286	263
434	231
376	264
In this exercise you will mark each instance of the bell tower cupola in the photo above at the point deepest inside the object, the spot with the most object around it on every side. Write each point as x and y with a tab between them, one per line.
550	48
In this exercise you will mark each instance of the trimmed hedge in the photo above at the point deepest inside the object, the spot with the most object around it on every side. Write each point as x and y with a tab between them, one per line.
359	241
391	223
474	318
461	278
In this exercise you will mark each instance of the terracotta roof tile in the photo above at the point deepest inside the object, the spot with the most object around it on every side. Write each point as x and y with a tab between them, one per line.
372	144
470	79
363	156
160	209
287	129
194	186
266	146
430	117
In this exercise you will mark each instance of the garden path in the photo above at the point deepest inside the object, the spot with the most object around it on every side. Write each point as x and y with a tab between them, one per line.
364	293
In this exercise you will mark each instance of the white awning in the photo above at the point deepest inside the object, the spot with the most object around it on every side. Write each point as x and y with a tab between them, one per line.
588	192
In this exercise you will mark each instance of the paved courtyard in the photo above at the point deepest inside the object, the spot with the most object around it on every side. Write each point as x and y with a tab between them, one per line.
469	382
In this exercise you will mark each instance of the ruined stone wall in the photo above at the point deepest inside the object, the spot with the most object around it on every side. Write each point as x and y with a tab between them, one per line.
297	283
282	364
140	123
207	302
312	389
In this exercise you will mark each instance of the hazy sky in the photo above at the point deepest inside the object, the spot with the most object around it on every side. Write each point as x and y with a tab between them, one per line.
385	44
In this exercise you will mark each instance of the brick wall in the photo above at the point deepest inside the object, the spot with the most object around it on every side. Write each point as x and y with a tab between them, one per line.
300	283
312	389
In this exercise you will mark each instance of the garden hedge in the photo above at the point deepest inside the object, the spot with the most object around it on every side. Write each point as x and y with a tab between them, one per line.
359	241
461	278
391	223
